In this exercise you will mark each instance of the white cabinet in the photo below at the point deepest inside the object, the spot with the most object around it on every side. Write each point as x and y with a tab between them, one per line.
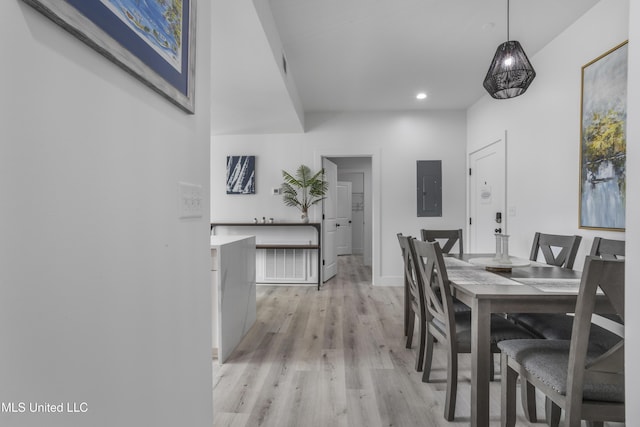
233	290
290	252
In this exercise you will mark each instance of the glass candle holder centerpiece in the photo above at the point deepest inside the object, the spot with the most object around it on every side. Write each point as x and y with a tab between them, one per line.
505	249
502	249
498	256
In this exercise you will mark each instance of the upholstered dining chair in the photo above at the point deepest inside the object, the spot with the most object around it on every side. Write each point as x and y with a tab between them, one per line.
414	302
558	326
446	238
586	382
451	328
565	246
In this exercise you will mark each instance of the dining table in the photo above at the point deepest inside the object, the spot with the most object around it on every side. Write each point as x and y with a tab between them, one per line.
528	287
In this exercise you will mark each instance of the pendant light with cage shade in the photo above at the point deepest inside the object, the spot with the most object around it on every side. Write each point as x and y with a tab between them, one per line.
510	73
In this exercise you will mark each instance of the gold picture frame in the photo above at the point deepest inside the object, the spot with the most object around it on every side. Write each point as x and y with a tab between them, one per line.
603	116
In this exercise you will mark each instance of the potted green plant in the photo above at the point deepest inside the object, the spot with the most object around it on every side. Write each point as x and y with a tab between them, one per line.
304	189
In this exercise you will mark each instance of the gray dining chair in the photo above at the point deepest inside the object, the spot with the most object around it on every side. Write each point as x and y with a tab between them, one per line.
405	284
414	302
558	250
450	327
446	238
587	383
558	326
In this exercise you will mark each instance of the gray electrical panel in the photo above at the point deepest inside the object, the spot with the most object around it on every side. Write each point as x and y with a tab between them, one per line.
429	187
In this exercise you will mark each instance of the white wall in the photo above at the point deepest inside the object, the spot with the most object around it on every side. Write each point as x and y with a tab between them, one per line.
543	131
632	314
105	292
395	141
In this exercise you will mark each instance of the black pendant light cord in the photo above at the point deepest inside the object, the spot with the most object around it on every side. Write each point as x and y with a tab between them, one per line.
507	20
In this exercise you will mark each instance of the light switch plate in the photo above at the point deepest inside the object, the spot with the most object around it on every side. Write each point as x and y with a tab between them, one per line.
190	200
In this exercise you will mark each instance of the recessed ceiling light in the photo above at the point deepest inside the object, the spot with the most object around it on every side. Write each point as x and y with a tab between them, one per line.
421	96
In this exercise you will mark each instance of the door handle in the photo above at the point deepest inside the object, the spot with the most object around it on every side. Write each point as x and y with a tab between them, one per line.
498	230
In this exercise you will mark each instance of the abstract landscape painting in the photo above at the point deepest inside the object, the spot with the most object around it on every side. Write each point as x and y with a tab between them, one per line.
241	174
603	145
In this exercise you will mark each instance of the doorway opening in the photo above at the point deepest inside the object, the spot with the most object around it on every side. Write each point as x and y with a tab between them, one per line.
353	229
487	196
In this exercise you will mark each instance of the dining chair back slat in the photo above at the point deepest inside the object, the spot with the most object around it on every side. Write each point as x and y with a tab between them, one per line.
432	274
409	271
446	238
414	301
608	248
567	247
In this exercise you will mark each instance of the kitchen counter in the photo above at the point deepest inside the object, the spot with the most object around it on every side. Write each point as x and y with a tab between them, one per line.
233	283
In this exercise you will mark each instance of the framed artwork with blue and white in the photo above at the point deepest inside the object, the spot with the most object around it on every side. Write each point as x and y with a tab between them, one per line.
153	40
603	141
241	174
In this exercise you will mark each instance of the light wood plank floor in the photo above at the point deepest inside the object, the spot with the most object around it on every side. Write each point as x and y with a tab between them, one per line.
336	357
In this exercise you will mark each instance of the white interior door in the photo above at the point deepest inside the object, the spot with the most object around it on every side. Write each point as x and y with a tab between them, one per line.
487	196
357	209
343	220
329	221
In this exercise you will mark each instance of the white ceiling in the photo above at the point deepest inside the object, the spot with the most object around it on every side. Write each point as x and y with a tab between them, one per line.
363	55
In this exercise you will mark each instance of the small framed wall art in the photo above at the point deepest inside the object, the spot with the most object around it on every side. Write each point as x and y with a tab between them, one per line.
241	174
